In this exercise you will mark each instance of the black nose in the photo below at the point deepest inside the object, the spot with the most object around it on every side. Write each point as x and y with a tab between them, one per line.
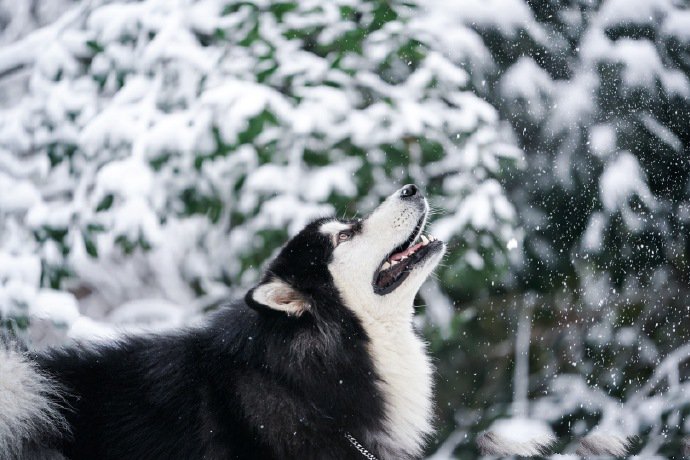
408	191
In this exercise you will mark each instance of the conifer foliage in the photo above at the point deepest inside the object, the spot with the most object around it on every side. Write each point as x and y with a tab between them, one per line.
164	149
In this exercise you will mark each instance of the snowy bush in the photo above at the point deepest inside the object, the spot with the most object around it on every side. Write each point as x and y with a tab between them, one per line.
164	150
597	94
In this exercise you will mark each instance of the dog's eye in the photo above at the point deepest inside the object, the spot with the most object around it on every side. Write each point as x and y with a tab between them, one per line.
344	235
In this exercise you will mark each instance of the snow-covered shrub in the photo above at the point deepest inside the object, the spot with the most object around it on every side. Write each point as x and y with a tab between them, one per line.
17	19
598	97
164	150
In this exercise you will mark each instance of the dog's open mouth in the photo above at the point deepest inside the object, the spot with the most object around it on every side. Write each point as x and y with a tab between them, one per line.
397	266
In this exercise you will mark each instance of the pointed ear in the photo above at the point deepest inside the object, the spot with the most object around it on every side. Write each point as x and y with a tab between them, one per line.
278	295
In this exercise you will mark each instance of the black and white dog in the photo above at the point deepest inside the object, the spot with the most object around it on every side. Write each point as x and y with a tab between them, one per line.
320	360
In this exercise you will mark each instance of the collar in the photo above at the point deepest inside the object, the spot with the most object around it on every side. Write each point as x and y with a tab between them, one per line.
360	448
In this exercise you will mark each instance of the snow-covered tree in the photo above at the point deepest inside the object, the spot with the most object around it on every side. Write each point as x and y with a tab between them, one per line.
598	95
164	149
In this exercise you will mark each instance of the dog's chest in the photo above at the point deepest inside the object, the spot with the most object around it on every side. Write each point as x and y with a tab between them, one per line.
406	384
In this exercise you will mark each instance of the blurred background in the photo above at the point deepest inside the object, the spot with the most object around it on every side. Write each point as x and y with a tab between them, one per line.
155	154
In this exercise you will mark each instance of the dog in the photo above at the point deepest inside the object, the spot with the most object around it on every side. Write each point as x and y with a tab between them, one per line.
319	360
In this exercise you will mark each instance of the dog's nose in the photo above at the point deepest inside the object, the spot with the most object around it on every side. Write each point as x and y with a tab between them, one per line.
408	191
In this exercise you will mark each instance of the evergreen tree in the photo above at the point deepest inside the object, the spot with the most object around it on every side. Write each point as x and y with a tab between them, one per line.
164	150
598	97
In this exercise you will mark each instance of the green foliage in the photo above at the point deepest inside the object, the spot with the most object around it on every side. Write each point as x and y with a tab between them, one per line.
216	142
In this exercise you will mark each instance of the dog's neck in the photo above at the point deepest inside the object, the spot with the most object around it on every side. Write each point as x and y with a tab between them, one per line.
402	366
405	374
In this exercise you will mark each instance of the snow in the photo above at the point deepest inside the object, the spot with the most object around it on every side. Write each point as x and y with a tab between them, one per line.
16	195
641	65
619	420
517	436
592	240
475	210
677	25
128	178
521	429
332	180
638	12
508	15
154	155
602	139
622	178
19	276
149	314
23	52
130	129
572	102
87	330
662	133
114	128
529	83
60	307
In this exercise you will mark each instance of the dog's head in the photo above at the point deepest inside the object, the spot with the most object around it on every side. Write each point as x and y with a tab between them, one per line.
376	265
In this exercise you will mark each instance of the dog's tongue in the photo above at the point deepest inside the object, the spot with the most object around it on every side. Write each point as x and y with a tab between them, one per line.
406	252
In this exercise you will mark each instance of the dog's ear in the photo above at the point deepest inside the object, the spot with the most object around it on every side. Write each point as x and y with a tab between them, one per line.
278	295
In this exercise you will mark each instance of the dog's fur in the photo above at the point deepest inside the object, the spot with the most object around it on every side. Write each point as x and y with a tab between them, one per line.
313	352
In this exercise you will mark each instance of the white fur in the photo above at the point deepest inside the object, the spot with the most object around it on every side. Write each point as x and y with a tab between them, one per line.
406	382
605	444
25	405
398	354
332	227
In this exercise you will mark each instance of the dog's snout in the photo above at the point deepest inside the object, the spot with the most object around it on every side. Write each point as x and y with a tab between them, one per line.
408	191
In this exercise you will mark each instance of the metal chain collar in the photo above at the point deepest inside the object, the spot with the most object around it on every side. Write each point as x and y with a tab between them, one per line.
362	450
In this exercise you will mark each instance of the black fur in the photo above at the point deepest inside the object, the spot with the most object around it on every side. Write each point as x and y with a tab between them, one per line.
253	383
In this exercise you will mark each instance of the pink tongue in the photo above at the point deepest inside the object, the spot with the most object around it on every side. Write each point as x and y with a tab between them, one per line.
406	252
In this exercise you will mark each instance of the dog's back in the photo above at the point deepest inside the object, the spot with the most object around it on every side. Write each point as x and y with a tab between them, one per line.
137	395
137	398
214	392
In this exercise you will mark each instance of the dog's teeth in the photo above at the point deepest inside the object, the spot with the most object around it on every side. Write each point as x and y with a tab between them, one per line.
386	265
394	262
432	238
425	240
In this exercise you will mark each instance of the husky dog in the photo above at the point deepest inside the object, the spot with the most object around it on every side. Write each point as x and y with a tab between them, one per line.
320	360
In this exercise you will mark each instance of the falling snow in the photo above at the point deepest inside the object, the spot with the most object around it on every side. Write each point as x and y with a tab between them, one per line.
154	154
